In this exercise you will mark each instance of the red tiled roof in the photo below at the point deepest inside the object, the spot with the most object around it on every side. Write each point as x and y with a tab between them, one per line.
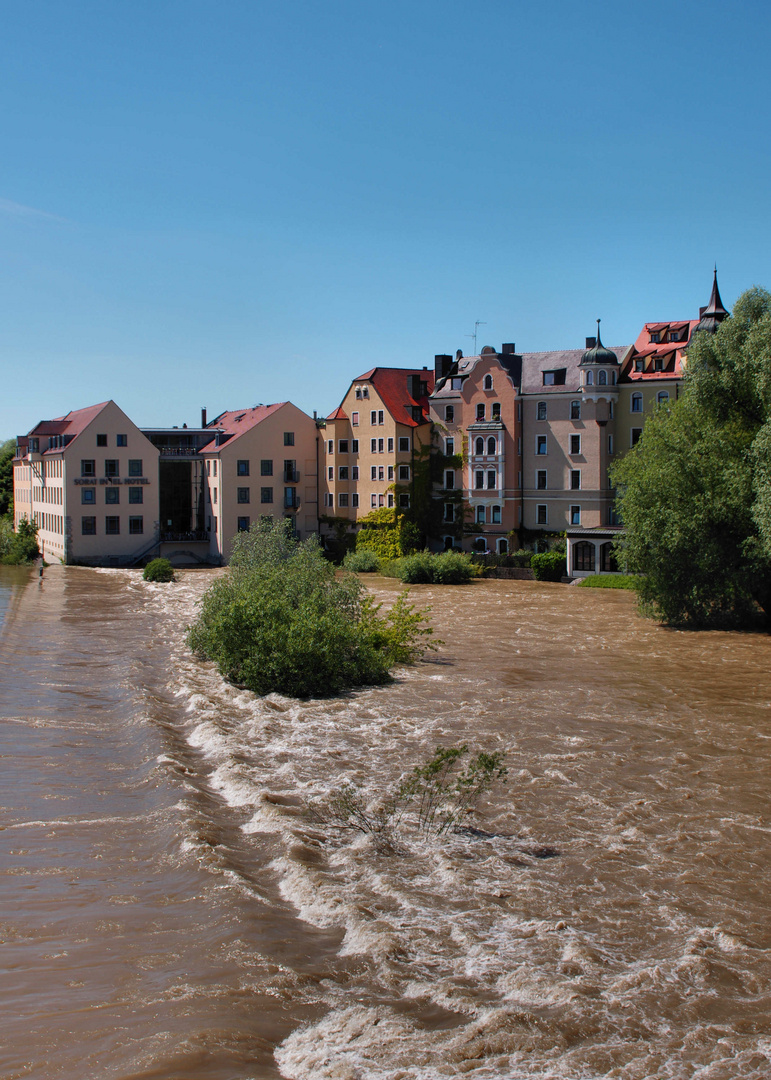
392	386
238	421
72	424
338	414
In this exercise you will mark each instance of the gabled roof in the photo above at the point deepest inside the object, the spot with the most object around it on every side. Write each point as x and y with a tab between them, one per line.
392	384
71	425
238	421
535	364
338	414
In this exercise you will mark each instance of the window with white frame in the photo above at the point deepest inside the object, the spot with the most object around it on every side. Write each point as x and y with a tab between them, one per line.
342	446
662	396
449	511
610	444
373	416
540	444
540	413
481	515
404	444
637	403
479	446
589	378
331	472
404	502
390	499
404	472
575	479
373	446
380	416
542	514
602	378
479	479
373	473
354	472
342	472
480	411
449	478
354	499
488	382
380	472
575	515
380	446
635	436
492	479
492	445
449	413
449	447
342	499
496	410
390	472
354	419
575	444
540	480
575	410
354	446
496	515
373	500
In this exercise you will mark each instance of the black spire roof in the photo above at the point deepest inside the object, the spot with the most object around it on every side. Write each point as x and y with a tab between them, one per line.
598	354
713	314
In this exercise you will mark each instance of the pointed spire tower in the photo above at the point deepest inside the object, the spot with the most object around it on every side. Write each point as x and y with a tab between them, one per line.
713	314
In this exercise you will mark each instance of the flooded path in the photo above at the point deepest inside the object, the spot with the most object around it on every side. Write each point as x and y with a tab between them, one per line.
168	910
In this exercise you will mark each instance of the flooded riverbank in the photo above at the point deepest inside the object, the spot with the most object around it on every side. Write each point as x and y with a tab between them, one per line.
169	910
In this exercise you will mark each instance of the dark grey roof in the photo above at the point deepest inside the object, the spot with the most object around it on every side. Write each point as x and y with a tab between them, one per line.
534	365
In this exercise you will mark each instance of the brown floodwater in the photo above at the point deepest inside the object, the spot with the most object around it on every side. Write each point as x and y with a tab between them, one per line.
168	909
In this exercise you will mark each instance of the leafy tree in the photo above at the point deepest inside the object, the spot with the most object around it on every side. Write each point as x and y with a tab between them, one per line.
695	493
7	450
159	570
280	620
20	546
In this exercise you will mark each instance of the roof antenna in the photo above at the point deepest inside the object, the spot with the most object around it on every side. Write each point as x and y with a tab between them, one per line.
477	324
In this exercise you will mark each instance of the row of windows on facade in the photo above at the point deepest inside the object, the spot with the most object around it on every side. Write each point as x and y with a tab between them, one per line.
243	466
377	472
111	467
111	526
57	442
375	501
244	495
481	412
376	446
111	495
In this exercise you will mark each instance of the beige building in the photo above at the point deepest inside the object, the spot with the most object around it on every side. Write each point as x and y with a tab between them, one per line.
372	441
90	481
260	462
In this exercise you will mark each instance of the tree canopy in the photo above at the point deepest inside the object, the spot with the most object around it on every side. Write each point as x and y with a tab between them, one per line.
7	450
695	493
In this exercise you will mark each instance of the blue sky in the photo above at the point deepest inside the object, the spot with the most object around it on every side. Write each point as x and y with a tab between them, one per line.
224	203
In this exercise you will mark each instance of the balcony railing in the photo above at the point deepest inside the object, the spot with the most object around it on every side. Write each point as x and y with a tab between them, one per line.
178	451
196	535
291	502
291	476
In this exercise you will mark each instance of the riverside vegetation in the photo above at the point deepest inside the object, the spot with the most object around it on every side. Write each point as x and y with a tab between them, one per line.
281	621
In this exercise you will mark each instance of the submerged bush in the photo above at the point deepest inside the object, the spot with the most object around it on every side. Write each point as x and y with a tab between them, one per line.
19	546
549	565
281	622
158	570
362	561
447	568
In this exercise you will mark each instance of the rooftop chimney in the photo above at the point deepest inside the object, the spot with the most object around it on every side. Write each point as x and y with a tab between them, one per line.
508	347
442	365
591	342
203	417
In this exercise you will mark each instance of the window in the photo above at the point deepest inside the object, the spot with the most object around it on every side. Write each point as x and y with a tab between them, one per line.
365	391
330	472
290	498
519	446
449	479
540	480
449	447
214	522
637	403
342	472
658	364
491	478
354	499
390	472
354	446
589	378
342	446
358	393
449	413
101	440
266	495
380	416
540	444
635	437
214	495
88	467
136	526
541	411
111	466
607	558
330	446
373	501
354	472
456	383
373	416
638	365
121	440
342	499
583	556
479	446
373	473
373	446
404	472
575	515
554	378
481	515
243	524
492	445
575	444
662	396
390	500
541	514
208	468
496	410
328	499
112	495
479	479
112	526
610	410
88	526
602	378
480	411
449	511
381	500
243	495
354	419
488	382
242	468
613	378
266	467
655	337
136	495
88	495
610	444
575	479
135	467
503	545
404	502
288	438
496	515
380	472
575	410
380	446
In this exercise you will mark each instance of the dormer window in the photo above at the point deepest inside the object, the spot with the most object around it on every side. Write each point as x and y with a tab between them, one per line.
655	338
658	364
674	335
638	365
457	384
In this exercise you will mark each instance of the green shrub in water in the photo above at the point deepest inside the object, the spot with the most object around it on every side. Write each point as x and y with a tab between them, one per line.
549	565
362	561
280	621
159	570
19	546
447	568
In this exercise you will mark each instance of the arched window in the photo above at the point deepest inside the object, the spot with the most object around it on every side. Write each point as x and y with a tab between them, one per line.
492	445
541	411
448	543
479	446
608	559
602	378
480	544
613	378
488	382
583	556
637	403
503	546
663	395
481	515
496	518
589	378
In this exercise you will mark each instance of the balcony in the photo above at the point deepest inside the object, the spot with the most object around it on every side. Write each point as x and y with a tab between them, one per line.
178	451
291	502
291	476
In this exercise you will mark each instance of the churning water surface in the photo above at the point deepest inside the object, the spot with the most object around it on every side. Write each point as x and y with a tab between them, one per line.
168	908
